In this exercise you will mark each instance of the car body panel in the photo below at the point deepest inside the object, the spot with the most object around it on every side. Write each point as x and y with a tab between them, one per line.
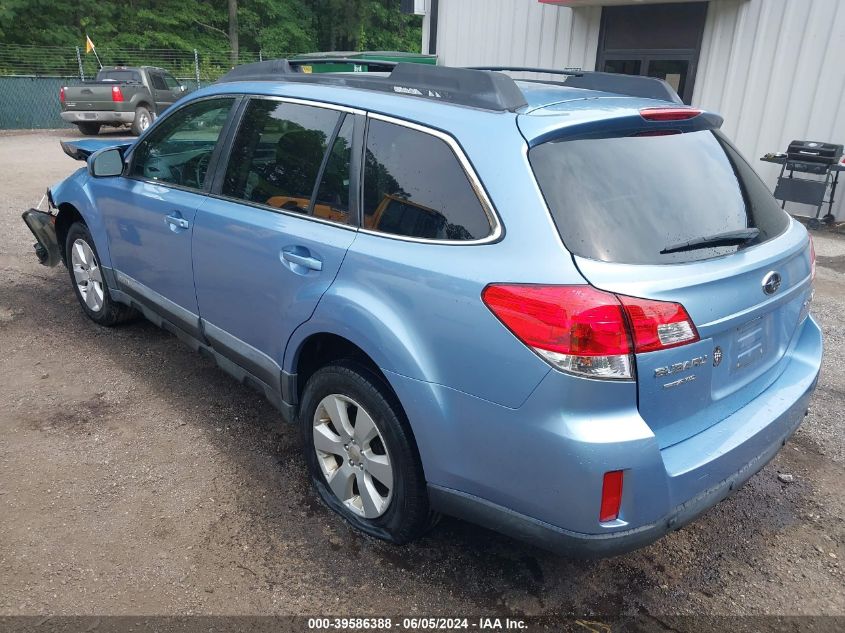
254	294
136	216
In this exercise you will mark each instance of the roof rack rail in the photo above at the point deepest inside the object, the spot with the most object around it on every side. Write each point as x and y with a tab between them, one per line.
630	85
461	86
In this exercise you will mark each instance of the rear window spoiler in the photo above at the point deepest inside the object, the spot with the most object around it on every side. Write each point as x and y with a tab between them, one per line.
626	122
82	149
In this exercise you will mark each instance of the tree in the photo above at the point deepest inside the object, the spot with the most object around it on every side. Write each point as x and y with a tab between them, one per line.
233	31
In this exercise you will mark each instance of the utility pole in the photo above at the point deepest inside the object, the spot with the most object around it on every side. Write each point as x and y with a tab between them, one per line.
233	31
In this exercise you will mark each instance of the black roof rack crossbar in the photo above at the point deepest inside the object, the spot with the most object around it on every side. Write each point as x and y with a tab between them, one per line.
630	85
461	86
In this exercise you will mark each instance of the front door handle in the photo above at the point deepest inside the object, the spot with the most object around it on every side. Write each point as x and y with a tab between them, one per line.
177	221
301	257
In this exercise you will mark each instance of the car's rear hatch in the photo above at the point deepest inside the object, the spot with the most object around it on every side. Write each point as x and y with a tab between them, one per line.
94	95
631	205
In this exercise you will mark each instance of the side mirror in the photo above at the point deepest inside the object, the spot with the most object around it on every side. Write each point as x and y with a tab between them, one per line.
106	162
183	88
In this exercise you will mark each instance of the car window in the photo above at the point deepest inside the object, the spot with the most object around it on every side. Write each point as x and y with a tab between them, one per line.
278	152
660	191
332	202
171	82
415	186
178	150
158	81
119	75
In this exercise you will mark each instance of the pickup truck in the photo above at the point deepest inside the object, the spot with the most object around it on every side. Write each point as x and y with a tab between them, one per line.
118	96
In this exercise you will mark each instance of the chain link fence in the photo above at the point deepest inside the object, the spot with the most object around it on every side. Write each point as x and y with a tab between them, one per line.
31	76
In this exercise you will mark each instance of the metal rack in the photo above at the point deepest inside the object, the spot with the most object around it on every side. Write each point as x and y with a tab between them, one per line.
488	87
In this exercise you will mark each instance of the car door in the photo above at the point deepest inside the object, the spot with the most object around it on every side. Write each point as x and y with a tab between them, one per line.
271	239
175	88
149	211
162	94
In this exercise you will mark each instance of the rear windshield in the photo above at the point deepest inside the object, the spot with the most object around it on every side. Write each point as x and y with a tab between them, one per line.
119	75
626	199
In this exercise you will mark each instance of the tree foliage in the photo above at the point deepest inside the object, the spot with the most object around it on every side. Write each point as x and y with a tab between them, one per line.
276	27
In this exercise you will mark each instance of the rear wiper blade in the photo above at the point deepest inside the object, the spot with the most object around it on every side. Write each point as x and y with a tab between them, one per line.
729	238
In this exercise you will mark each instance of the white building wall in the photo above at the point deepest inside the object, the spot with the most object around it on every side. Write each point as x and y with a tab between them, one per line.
772	68
516	33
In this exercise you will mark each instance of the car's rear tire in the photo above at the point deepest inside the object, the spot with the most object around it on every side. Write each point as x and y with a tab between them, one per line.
142	120
361	453
89	283
89	129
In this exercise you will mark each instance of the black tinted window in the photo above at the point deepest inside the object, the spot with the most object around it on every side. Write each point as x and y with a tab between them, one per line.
278	152
178	150
415	186
625	199
332	201
119	75
158	81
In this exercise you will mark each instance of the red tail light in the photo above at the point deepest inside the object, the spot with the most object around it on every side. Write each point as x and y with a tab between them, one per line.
585	331
658	324
61	95
669	114
611	496
116	93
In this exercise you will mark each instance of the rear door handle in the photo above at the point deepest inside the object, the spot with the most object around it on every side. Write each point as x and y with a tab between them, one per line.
302	258
176	221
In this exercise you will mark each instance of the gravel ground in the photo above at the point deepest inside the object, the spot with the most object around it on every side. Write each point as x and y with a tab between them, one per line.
136	478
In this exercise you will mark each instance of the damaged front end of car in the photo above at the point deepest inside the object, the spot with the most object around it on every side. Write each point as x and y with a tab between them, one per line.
43	227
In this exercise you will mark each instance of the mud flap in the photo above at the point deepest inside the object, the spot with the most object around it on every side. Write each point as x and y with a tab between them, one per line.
43	227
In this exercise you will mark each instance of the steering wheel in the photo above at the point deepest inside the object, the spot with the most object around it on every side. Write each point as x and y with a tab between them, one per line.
201	168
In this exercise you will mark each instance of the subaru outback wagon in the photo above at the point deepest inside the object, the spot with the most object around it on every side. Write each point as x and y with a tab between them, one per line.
567	309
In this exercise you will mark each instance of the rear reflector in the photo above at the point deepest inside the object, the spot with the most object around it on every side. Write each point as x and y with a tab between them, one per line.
116	93
812	259
669	114
611	496
585	331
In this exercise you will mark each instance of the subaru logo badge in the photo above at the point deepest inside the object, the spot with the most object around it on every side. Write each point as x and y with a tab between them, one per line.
771	283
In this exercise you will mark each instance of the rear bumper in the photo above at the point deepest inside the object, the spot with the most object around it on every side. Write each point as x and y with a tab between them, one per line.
97	116
535	472
562	541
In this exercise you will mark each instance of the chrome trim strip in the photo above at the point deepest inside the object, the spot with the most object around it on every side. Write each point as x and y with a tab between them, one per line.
308	102
292	214
492	217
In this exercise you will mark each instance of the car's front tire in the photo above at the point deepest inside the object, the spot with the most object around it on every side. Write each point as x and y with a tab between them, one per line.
361	454
89	283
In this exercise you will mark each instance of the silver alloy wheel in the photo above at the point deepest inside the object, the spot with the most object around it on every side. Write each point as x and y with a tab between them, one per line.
87	274
353	456
143	121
